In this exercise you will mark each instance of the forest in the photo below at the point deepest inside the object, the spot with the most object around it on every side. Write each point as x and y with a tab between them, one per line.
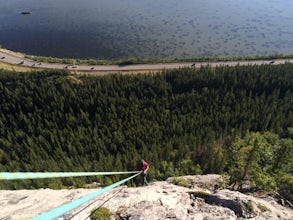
228	120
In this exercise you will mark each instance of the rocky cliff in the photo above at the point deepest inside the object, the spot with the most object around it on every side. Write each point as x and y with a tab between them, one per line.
201	198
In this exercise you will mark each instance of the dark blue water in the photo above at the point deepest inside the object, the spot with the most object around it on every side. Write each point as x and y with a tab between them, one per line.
119	29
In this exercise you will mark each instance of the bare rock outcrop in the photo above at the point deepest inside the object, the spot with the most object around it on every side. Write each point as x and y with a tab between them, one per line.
159	201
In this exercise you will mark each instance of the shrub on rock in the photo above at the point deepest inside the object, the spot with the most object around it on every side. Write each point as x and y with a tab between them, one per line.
101	214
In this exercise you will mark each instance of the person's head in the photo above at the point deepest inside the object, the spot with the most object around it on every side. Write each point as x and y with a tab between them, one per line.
140	162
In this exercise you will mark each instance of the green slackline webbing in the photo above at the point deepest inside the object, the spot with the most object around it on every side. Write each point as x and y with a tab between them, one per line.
41	175
61	210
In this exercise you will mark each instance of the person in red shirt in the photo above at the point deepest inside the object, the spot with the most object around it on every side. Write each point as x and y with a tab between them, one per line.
143	166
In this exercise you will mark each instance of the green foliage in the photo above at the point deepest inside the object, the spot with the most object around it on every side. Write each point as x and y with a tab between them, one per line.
179	181
200	194
263	180
290	132
164	169
251	158
131	61
56	184
285	186
262	208
188	166
101	213
107	181
181	121
259	159
283	156
223	182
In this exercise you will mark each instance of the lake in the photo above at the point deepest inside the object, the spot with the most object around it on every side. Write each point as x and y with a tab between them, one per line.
120	29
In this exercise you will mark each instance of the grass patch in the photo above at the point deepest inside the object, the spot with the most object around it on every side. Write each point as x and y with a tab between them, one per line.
263	208
133	61
17	54
223	182
16	68
101	214
74	79
200	194
179	181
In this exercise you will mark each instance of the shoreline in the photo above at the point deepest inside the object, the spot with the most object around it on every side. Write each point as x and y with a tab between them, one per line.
129	61
16	59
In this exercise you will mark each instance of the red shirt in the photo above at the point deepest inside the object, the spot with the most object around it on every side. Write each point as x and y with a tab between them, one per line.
142	166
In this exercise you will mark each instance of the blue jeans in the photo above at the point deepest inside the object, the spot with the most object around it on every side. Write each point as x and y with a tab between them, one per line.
144	179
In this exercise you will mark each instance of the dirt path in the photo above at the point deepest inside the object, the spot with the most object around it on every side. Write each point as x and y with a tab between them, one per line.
94	69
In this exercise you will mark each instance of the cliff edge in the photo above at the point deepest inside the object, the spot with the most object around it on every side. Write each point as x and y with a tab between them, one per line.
200	198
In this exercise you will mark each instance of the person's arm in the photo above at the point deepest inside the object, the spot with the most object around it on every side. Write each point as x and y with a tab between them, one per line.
147	168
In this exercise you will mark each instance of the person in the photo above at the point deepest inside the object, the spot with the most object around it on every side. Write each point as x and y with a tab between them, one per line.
143	166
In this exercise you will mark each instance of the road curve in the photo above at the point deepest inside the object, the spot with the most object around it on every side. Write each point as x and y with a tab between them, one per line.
15	60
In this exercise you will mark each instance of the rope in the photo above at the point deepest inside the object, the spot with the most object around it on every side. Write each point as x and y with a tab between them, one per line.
59	211
42	175
75	214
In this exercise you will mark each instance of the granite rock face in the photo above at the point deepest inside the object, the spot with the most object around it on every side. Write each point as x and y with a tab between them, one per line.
202	199
164	200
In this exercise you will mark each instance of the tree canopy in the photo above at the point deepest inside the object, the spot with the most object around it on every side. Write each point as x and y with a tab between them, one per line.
235	120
